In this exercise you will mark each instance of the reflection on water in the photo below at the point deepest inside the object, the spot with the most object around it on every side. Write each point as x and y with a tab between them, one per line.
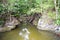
25	34
28	32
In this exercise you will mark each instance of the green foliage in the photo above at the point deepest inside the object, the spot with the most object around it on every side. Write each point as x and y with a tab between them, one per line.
57	21
24	6
52	14
1	8
58	17
20	7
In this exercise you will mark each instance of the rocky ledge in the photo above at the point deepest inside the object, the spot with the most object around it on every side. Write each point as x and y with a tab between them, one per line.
48	24
9	25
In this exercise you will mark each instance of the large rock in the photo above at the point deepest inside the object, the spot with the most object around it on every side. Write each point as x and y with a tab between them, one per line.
46	23
9	25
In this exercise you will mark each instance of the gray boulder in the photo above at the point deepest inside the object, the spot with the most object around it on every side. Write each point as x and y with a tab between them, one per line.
9	25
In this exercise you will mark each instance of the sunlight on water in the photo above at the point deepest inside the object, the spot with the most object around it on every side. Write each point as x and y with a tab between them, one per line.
25	34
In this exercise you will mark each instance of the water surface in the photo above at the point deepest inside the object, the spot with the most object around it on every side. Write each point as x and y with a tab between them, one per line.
35	34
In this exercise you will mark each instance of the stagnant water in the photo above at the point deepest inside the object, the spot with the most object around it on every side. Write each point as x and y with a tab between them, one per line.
34	34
